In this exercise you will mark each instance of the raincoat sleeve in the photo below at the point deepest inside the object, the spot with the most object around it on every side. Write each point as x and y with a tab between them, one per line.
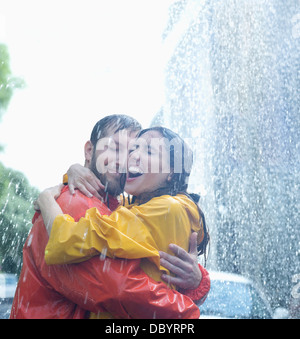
200	294
139	232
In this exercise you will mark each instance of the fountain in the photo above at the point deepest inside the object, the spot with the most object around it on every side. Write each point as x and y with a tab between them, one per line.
232	84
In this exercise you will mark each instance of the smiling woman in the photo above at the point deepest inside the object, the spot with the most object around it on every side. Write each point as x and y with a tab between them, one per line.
163	162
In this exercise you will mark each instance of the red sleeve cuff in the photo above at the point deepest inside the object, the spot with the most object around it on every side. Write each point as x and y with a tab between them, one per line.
199	294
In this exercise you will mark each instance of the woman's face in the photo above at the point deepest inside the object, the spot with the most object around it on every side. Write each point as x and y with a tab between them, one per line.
148	164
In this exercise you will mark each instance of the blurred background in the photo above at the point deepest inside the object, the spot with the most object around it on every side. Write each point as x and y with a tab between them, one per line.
223	74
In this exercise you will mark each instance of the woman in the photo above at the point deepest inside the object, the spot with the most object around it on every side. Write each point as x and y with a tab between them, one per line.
161	211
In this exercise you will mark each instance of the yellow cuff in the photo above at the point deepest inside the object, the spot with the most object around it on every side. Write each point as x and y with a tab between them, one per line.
65	179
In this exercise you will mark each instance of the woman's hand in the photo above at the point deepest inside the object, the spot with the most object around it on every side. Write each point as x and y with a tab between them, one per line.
48	206
184	265
85	180
53	192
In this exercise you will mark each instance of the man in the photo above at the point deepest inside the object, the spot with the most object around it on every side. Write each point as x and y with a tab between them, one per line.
102	286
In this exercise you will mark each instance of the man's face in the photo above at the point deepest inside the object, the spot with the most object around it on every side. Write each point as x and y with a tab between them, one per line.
109	161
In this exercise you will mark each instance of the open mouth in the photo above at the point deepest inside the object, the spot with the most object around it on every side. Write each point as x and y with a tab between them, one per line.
134	172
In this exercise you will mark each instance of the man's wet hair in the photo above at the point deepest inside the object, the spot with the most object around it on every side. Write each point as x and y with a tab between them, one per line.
113	124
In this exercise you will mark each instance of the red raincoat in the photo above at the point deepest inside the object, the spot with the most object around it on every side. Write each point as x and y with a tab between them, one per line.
115	286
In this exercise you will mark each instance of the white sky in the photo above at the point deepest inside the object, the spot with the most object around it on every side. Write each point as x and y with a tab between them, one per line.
81	60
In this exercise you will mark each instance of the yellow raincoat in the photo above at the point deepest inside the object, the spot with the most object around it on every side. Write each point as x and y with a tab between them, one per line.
135	231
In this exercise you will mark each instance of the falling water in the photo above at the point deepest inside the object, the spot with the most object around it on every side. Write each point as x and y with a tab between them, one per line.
232	84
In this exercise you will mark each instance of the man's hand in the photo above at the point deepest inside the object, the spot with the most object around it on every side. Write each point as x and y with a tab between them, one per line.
85	180
184	265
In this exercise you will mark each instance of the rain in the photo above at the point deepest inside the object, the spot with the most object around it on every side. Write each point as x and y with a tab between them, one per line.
230	88
235	75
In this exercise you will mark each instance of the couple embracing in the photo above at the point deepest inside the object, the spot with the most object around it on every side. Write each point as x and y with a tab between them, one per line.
95	253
